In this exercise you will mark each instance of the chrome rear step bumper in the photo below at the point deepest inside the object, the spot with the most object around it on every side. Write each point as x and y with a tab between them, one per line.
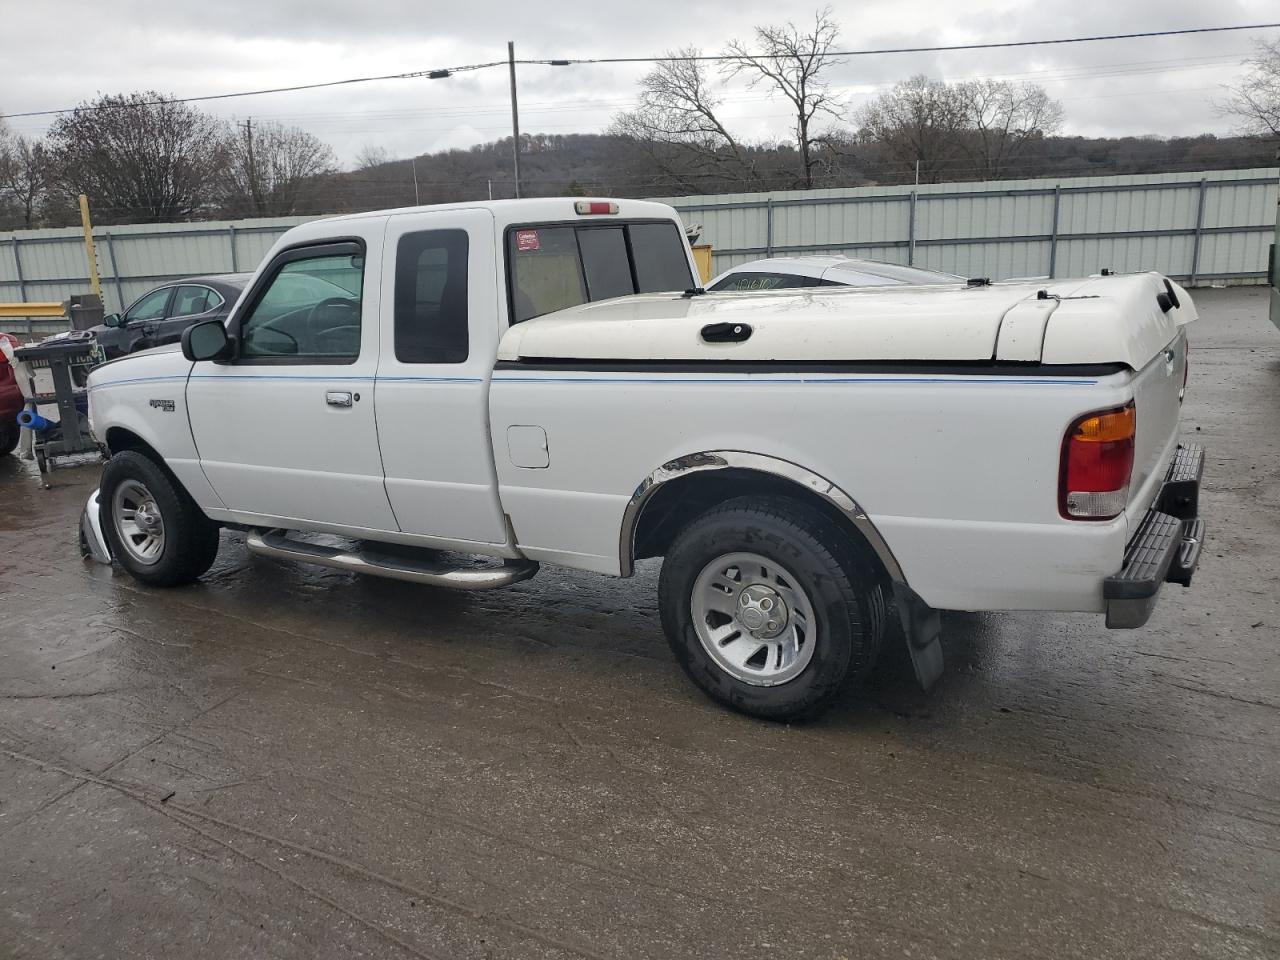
274	543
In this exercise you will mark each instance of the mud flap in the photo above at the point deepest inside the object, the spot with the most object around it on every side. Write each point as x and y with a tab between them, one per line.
922	626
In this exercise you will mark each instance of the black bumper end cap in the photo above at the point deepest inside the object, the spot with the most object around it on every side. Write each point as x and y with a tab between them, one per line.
1166	549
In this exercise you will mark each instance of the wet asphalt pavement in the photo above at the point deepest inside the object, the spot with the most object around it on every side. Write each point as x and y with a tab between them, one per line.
287	762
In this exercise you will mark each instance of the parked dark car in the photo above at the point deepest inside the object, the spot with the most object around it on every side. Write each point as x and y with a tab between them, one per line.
160	316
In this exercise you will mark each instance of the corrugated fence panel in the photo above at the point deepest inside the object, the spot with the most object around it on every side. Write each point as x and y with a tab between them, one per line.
132	258
53	261
1213	226
1015	228
1079	258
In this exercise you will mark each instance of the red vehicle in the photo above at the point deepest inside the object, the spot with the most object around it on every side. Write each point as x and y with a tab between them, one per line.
10	398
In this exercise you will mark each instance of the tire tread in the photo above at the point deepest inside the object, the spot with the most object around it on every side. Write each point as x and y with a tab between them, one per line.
860	593
192	538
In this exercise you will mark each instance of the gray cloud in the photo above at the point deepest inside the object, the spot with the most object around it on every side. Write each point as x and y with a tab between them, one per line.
181	47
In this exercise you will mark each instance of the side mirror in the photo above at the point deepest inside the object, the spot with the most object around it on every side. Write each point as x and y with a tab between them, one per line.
111	320
207	340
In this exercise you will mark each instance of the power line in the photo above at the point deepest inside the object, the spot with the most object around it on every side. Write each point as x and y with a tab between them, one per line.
364	117
935	49
442	72
410	75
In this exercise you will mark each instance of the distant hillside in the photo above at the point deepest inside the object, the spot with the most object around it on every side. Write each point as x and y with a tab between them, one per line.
600	164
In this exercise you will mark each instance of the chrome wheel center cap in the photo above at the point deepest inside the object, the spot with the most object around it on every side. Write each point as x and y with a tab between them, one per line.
148	518
762	611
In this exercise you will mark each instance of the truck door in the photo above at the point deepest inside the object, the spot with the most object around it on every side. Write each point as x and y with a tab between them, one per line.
432	394
286	430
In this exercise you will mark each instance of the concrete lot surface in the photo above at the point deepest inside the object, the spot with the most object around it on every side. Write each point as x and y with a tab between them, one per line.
291	763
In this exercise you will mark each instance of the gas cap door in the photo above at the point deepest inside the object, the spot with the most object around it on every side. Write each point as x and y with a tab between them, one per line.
527	447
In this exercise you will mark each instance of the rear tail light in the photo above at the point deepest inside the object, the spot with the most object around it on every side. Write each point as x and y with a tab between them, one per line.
1097	462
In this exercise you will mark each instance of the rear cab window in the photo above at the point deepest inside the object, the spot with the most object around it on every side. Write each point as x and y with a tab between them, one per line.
557	266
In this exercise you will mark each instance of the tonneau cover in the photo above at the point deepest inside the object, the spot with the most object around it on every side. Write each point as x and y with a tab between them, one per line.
1114	319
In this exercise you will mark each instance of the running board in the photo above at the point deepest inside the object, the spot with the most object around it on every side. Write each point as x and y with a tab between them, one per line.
274	543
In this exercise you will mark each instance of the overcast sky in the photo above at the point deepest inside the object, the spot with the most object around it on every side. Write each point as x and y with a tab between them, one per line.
60	52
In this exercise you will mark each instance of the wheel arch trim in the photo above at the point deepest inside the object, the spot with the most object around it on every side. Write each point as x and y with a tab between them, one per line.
711	460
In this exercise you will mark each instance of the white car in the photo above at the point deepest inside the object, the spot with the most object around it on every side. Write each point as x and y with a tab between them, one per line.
539	381
778	273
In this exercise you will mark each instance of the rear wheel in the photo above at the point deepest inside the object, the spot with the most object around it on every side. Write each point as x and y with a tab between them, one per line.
770	608
155	529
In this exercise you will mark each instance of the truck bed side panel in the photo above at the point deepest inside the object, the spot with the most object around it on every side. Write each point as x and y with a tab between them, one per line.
959	473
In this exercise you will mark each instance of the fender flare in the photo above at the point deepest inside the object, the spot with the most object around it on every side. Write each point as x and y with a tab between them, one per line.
759	463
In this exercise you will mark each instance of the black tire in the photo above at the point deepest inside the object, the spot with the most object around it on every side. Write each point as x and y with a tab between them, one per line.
190	539
841	586
10	433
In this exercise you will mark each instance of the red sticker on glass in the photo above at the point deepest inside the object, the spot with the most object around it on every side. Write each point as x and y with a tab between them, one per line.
528	240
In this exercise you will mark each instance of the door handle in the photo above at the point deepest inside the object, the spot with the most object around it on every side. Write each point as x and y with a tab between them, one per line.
726	332
337	398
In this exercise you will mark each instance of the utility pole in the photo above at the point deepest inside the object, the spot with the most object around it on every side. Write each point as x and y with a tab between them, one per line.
515	116
252	169
414	161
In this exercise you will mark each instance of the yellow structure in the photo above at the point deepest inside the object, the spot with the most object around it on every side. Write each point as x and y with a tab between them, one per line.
94	283
702	257
54	308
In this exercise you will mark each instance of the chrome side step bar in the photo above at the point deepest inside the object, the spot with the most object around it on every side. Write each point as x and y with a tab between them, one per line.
274	543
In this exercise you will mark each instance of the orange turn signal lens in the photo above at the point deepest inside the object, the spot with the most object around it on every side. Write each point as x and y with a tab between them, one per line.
1106	427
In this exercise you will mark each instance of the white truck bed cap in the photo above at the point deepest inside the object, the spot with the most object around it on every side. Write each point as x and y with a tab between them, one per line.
1114	319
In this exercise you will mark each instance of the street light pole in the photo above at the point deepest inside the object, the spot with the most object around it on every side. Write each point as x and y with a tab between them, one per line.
515	116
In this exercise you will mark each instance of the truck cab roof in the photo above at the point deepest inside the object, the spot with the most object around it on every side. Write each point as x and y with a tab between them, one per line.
512	212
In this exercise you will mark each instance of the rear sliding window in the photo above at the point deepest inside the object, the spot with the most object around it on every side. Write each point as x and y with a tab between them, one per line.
431	297
551	268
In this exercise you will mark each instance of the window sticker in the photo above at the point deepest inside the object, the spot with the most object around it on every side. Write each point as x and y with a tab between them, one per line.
527	240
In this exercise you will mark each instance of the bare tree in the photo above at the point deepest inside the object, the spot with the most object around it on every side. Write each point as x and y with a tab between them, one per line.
1003	118
371	156
138	157
920	121
273	169
676	123
23	175
1255	98
791	60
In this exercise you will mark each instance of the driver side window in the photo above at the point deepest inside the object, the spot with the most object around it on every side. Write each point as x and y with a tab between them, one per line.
309	312
150	307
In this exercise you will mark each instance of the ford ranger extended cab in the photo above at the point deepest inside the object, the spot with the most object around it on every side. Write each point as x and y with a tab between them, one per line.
541	381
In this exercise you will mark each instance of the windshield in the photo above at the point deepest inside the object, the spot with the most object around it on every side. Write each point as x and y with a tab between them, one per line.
554	267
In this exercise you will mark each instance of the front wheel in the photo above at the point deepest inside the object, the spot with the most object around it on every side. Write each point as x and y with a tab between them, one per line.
770	608
155	529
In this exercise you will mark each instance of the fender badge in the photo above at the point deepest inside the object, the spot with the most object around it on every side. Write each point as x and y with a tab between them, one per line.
167	406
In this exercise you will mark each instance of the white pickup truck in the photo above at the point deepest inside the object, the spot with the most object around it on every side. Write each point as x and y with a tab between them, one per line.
541	381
